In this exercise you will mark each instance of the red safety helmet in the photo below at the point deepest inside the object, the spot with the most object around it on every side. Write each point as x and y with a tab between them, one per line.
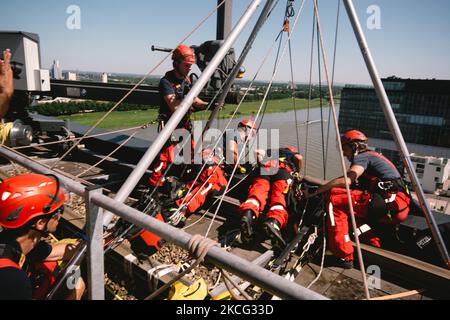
353	136
28	196
292	149
183	53
247	123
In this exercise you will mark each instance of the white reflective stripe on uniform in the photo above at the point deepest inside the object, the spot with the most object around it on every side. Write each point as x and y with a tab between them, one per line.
253	201
392	198
363	229
277	207
347	238
330	212
207	189
160	167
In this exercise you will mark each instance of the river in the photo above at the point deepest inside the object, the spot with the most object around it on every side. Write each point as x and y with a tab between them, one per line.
285	123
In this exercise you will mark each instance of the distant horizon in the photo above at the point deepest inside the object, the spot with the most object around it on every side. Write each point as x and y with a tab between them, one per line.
240	80
406	37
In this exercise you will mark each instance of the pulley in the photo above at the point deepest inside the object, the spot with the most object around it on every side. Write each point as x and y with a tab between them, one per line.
15	134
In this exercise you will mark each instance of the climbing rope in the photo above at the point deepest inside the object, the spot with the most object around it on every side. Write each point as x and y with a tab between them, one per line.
231	118
319	62
341	154
215	202
108	156
309	94
322	260
198	248
333	75
138	84
81	138
290	12
256	118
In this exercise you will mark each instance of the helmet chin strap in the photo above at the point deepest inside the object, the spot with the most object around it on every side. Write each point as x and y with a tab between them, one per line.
355	150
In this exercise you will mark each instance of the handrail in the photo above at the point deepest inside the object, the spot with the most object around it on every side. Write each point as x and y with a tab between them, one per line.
259	276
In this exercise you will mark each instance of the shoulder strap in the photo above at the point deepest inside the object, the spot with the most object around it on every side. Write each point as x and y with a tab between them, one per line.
14	256
8	263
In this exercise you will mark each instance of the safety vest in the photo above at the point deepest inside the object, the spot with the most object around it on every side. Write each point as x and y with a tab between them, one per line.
181	90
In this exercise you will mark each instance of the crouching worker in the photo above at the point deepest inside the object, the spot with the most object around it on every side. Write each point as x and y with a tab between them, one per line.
275	177
211	181
30	208
381	197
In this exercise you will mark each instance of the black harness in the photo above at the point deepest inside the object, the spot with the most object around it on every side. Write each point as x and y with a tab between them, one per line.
9	252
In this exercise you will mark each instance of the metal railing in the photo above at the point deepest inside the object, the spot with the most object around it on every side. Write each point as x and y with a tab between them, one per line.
96	203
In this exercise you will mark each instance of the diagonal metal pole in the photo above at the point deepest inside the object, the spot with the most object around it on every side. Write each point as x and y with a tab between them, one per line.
182	109
261	277
230	80
395	129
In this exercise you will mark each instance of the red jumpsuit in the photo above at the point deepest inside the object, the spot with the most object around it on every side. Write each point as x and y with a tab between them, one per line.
278	185
166	157
197	197
397	205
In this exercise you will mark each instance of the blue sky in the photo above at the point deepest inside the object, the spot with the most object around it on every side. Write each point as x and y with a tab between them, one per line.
116	35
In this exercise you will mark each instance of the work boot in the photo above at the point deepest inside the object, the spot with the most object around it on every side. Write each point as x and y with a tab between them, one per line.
272	229
333	261
247	221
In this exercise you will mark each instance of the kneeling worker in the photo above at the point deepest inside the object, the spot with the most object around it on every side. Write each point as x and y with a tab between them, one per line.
381	197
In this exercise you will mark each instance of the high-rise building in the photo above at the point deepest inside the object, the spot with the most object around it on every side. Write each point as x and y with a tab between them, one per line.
434	173
421	107
55	71
104	77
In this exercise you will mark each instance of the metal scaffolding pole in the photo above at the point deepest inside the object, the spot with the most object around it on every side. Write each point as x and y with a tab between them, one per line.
230	80
181	111
395	129
224	19
259	276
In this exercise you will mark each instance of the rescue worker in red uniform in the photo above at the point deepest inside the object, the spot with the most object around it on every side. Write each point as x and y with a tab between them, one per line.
234	139
30	208
211	181
381	197
275	177
173	87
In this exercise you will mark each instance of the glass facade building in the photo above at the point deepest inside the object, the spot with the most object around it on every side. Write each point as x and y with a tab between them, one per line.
422	109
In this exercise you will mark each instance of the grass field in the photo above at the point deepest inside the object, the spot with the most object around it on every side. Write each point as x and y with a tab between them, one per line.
126	119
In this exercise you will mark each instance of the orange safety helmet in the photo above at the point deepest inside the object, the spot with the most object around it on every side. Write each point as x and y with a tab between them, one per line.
25	197
247	123
183	53
292	149
353	136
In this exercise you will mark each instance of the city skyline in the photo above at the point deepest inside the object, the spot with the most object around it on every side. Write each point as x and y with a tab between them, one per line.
116	36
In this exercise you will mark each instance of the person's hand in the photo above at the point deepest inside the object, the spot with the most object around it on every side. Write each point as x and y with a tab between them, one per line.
70	250
297	176
6	75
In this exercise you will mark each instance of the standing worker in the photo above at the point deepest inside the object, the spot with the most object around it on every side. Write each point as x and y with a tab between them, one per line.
173	87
